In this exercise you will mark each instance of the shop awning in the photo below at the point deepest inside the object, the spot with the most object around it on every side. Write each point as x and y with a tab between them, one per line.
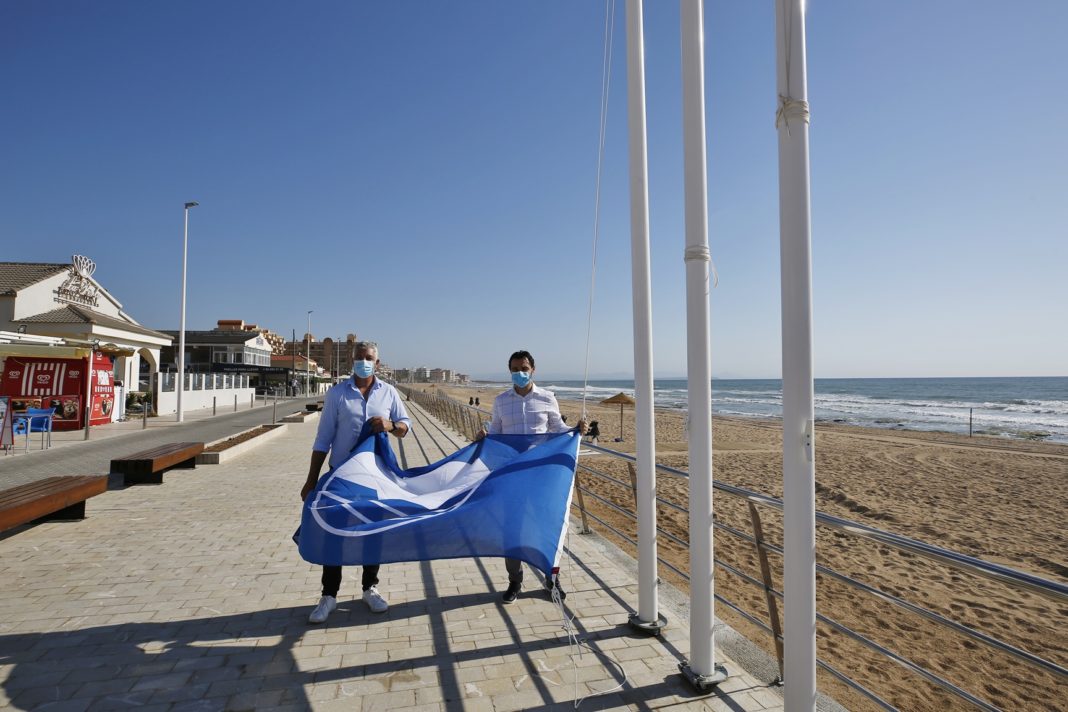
113	350
43	351
46	351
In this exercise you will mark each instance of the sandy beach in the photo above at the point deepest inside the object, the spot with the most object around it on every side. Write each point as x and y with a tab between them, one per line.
998	499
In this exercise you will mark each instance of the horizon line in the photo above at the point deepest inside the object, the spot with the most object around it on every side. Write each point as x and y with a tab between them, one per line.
746	378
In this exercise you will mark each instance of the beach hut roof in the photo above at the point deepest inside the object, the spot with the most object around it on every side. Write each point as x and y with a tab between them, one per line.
621	398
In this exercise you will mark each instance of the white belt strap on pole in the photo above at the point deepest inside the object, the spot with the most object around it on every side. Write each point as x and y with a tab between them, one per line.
798	456
701	669
647	619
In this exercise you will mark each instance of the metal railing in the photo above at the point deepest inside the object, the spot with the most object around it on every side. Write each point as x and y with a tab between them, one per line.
468	419
204	381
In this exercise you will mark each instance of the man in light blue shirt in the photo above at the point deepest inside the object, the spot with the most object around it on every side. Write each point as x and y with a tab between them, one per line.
347	407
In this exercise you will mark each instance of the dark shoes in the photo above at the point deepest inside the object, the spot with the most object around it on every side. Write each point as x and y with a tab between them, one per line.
512	593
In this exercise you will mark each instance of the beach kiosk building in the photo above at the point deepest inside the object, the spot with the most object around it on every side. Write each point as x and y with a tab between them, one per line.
89	343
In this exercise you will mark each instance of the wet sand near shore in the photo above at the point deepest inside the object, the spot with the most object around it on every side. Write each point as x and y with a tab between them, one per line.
996	499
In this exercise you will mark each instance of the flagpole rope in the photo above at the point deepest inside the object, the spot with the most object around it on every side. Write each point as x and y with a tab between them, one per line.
606	82
574	642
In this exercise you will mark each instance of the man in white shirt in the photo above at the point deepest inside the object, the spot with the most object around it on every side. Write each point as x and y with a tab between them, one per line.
525	409
346	408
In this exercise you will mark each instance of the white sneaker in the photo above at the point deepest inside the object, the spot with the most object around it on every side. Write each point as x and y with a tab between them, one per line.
374	600
326	606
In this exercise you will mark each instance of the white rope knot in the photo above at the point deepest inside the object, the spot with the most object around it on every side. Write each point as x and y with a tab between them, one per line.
698	252
790	108
701	253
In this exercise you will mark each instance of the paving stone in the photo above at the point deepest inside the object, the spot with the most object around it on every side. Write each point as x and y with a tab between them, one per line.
34	697
75	705
254	700
389	701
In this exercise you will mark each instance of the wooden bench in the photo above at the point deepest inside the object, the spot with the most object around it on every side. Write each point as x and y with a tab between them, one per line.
147	467
51	498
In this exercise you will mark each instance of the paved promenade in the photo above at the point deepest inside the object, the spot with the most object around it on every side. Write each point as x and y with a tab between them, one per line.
191	595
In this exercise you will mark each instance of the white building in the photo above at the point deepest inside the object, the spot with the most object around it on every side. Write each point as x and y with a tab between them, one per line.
64	300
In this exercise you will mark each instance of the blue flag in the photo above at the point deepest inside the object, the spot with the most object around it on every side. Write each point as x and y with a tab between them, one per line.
506	495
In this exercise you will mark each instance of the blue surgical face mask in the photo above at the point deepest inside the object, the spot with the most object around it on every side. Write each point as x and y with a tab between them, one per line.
521	378
363	369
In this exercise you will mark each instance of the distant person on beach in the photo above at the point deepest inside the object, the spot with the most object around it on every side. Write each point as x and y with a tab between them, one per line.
471	400
347	406
476	401
525	409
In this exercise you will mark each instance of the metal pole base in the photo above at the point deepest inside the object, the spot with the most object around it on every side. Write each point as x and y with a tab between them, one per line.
703	683
647	627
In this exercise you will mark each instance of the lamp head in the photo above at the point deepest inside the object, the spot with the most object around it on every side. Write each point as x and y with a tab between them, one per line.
191	204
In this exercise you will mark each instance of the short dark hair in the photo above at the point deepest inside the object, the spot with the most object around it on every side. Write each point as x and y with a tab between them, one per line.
365	346
521	355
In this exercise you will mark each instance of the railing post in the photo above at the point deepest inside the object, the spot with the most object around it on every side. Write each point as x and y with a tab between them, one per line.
765	573
582	506
633	481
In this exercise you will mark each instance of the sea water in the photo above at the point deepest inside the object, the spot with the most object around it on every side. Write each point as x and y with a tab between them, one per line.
1012	407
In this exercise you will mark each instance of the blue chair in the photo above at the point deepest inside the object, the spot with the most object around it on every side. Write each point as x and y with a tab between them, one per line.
39	420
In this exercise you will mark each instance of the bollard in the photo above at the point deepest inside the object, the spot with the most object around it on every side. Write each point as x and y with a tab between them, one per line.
144	415
235	402
274	416
252	400
213	404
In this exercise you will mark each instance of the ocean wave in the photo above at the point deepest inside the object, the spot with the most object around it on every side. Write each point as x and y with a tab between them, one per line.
1053	407
914	410
776	401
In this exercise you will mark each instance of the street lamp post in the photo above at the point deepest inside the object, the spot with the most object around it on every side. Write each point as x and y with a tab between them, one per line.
181	325
307	358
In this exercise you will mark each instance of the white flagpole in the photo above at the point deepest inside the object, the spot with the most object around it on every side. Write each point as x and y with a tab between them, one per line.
648	618
701	670
798	461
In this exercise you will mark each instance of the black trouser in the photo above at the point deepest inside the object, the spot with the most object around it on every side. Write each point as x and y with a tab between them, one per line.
332	579
514	567
515	570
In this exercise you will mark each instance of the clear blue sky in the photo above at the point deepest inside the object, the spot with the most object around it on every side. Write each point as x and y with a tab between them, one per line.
422	173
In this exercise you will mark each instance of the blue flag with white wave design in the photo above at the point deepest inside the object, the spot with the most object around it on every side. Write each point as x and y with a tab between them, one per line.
506	495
